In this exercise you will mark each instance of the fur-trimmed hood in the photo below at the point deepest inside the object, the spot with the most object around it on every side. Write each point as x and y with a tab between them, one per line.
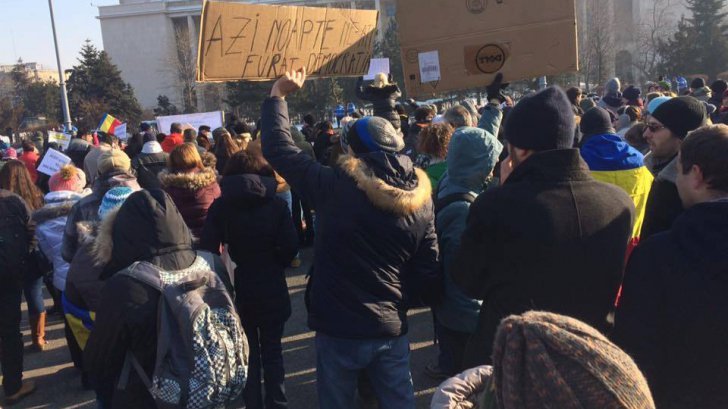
104	244
188	181
58	204
413	192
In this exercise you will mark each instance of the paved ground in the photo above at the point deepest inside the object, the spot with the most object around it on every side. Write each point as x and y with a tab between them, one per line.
59	384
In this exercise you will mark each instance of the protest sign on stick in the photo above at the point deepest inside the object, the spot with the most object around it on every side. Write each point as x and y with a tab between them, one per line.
62	139
240	41
521	39
52	162
378	65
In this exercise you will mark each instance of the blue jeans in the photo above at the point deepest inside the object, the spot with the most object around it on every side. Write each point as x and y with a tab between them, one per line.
386	361
33	290
11	341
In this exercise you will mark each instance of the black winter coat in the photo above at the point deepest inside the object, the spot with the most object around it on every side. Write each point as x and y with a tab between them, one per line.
672	314
262	241
663	204
375	235
147	167
148	227
384	100
551	238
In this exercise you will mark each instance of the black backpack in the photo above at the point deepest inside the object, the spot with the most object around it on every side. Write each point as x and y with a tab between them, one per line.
14	245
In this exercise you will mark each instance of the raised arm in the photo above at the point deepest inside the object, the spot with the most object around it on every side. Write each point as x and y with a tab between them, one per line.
311	180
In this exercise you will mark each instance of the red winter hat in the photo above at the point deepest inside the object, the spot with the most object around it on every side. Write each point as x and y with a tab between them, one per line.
69	178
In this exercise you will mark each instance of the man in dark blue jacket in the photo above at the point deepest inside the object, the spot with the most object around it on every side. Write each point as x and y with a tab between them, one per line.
375	242
672	316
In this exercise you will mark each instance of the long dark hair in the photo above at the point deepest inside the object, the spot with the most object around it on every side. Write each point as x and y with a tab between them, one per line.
15	177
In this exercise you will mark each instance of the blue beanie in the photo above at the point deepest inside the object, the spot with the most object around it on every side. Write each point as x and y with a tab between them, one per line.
113	199
371	134
655	103
542	122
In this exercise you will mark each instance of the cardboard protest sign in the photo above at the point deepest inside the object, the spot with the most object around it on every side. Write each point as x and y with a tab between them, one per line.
377	65
519	38
62	139
52	162
211	119
240	41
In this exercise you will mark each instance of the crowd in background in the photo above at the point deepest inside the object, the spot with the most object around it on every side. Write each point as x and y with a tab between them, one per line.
572	247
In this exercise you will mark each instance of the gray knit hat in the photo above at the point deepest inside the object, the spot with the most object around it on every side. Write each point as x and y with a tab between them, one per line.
371	134
545	360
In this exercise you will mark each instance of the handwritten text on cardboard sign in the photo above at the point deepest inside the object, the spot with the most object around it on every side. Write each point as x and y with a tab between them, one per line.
258	42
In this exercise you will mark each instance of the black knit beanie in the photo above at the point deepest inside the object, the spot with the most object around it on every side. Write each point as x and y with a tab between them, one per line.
632	93
541	122
681	115
596	121
697	83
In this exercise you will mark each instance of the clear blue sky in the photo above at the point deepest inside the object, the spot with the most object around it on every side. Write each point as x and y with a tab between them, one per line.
26	30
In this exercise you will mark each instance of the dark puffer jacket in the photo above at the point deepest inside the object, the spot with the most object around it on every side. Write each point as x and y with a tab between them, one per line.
375	236
147	167
193	194
257	226
383	100
551	238
672	315
87	209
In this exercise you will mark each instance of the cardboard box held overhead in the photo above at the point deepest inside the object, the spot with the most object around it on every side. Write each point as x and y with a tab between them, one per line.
240	41
452	45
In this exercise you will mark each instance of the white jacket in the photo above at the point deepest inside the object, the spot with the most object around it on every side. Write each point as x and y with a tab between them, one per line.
50	222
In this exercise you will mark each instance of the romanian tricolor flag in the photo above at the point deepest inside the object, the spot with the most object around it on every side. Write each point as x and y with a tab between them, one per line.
108	124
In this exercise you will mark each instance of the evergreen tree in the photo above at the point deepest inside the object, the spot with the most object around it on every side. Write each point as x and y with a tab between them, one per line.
700	45
245	97
164	107
95	87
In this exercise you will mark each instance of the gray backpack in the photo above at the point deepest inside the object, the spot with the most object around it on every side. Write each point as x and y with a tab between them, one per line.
202	352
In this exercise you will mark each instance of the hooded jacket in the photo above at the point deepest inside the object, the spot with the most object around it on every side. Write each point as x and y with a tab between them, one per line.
257	227
171	141
663	203
472	156
672	316
613	161
87	209
384	100
147	167
551	238
375	233
149	228
30	160
50	223
193	193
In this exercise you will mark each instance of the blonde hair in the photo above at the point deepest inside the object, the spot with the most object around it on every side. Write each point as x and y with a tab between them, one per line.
184	158
380	80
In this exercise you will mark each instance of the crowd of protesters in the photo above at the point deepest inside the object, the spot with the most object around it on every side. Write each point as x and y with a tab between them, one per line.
572	248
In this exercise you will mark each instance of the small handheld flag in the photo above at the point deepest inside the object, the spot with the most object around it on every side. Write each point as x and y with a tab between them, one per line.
108	124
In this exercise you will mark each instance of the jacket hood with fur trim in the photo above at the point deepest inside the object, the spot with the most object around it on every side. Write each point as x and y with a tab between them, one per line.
389	185
188	181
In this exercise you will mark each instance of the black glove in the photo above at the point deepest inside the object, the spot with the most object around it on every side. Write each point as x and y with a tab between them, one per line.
390	78
495	89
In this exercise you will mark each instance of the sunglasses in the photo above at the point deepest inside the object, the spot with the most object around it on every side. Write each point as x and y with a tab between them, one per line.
654	127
